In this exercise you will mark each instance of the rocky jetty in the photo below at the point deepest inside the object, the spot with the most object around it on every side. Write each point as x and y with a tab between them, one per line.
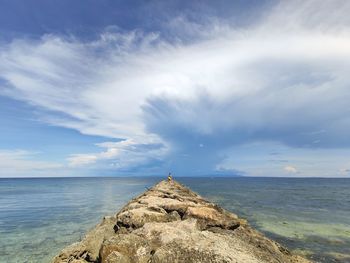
170	223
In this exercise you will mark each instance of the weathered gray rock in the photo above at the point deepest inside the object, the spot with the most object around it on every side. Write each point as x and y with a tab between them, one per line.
170	223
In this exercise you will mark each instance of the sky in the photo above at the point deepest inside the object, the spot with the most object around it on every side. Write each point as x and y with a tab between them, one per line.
198	88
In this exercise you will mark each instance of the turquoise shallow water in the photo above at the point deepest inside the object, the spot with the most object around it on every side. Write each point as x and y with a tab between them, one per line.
38	217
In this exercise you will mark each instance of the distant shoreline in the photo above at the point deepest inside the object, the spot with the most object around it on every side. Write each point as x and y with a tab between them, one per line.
162	176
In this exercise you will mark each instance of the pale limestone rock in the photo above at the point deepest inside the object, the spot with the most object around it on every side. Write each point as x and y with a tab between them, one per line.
170	223
117	257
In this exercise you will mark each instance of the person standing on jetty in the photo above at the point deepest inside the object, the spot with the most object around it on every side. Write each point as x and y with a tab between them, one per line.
170	178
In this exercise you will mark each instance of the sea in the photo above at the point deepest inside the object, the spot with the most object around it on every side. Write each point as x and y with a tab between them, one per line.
40	216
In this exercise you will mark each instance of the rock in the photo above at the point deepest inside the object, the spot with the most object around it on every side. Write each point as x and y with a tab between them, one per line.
130	247
88	249
170	223
117	257
212	217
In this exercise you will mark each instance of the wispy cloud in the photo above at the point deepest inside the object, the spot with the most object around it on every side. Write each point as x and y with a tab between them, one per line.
290	169
21	163
126	153
280	80
256	160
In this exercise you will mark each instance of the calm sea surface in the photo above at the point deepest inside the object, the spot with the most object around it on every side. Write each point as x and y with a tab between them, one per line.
38	217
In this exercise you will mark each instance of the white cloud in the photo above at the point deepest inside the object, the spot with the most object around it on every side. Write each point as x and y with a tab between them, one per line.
20	163
268	159
104	93
266	82
344	171
290	169
82	159
122	154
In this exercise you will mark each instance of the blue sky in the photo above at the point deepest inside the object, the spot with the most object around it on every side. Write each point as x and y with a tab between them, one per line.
103	88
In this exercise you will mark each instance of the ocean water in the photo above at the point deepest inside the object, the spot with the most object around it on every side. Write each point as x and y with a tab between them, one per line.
38	217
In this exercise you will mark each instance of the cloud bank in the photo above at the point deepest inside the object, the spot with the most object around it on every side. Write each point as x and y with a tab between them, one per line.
187	103
19	163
